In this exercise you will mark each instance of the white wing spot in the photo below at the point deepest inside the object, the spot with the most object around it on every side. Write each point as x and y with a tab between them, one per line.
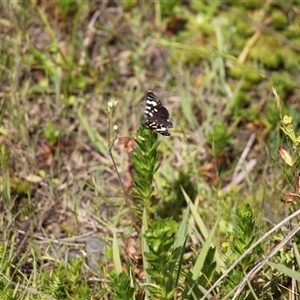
161	129
153	103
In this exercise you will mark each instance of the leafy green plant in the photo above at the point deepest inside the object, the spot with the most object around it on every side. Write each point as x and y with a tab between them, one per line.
51	134
244	235
66	7
163	258
6	270
248	257
219	138
121	285
65	281
145	163
162	249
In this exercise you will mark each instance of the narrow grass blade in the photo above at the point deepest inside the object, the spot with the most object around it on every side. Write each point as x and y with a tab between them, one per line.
98	141
285	270
196	215
183	228
145	248
181	240
116	254
202	226
204	251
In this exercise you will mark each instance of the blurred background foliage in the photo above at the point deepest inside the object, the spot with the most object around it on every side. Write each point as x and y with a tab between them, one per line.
212	63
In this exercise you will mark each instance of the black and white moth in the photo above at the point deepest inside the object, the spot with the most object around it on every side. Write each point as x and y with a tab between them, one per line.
156	116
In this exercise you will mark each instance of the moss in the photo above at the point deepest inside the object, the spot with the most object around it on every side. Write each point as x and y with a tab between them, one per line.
268	52
251	76
290	58
292	32
279	19
236	72
283	83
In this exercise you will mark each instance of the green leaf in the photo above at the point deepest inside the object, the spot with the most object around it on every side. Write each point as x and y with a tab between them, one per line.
122	287
285	270
116	254
204	252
